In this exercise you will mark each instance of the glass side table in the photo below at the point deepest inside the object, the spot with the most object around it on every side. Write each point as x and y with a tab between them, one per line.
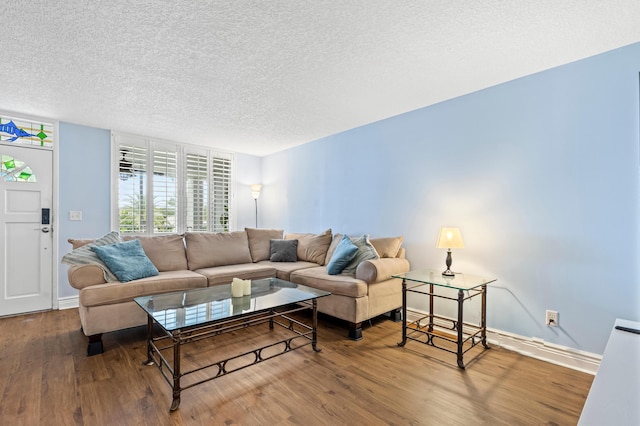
431	328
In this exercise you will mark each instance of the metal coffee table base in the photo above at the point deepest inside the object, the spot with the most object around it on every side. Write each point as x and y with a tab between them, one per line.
172	342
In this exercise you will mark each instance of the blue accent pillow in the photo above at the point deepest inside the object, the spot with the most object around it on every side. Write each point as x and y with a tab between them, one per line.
344	253
127	260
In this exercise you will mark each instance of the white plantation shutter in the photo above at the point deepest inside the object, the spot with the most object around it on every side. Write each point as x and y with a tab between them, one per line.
132	183
221	196
197	192
165	188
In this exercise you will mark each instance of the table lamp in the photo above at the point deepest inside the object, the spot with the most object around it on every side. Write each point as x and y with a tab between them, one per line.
449	238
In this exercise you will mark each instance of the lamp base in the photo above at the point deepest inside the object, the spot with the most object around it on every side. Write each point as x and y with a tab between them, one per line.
448	272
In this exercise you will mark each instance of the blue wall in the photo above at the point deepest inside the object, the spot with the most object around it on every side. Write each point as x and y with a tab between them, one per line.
84	182
540	174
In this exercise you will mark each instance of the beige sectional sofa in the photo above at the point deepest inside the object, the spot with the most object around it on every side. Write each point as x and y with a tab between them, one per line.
198	259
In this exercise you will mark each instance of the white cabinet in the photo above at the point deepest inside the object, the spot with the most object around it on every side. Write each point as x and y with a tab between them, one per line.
614	398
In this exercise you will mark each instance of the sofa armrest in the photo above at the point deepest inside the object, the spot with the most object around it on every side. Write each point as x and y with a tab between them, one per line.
373	271
81	276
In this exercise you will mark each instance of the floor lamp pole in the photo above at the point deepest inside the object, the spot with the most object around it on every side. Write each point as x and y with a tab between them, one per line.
255	193
256	200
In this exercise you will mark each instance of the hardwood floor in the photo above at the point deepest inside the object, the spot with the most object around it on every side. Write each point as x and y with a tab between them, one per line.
45	378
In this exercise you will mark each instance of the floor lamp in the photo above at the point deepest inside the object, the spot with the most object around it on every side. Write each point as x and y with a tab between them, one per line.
255	192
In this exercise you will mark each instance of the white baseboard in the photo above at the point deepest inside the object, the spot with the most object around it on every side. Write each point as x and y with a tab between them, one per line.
529	346
539	349
534	347
68	302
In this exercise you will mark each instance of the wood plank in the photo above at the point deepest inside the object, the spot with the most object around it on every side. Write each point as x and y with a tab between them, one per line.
45	377
22	369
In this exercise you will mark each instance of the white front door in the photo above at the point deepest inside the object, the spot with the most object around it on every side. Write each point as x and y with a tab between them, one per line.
26	255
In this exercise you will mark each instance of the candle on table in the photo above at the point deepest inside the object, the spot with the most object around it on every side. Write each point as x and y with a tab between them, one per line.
237	288
246	287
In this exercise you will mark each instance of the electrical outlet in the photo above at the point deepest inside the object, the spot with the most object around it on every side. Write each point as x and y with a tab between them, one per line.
552	318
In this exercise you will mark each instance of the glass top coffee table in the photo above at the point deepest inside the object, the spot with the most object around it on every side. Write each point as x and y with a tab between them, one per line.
192	315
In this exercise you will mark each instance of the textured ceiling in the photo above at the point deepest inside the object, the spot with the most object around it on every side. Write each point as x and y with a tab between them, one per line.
261	76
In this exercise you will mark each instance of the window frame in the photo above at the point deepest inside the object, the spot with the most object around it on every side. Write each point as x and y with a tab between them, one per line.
150	145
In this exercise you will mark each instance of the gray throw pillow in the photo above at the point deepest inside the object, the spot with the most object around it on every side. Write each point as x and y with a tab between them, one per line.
85	256
366	251
284	251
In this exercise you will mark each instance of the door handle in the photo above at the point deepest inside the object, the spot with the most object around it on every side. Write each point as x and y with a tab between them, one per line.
45	229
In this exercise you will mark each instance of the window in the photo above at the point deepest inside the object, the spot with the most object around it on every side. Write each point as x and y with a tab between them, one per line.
15	170
197	196
167	187
165	190
22	131
220	178
132	189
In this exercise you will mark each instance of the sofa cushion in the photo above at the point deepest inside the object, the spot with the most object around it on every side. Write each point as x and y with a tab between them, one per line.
343	254
365	252
81	276
77	243
332	247
246	271
105	294
387	247
206	250
376	270
126	260
260	242
312	247
284	251
83	255
284	269
167	252
317	277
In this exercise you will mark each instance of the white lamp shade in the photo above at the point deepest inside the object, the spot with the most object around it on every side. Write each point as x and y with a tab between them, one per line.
255	190
450	238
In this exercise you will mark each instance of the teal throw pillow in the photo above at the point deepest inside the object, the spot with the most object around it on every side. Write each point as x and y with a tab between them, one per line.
127	260
345	252
366	251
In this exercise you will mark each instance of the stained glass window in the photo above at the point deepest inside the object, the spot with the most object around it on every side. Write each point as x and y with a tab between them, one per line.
26	132
15	170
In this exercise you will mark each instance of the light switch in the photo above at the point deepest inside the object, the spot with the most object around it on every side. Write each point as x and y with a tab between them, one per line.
75	215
